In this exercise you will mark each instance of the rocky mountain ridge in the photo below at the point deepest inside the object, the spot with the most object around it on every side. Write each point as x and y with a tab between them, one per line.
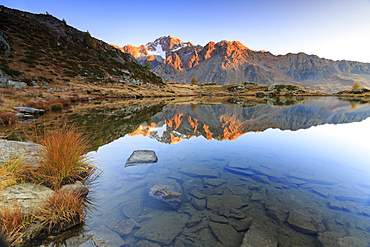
228	62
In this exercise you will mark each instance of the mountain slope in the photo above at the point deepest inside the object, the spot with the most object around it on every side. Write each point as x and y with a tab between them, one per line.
42	47
230	62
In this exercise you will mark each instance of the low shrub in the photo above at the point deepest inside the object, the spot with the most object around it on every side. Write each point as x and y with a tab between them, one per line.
56	107
8	118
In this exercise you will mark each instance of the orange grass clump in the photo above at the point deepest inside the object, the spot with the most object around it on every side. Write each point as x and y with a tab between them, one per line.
65	160
61	211
12	223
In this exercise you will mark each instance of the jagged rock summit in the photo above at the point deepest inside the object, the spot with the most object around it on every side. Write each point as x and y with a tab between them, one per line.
228	62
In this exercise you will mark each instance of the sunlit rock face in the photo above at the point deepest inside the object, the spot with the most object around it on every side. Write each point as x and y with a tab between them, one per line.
228	62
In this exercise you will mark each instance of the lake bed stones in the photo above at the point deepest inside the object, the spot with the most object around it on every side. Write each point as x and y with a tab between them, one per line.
306	221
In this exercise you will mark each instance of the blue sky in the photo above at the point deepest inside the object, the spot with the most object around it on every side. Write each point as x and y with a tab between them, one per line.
333	29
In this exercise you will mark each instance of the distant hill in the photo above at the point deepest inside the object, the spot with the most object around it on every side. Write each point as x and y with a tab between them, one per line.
36	47
230	62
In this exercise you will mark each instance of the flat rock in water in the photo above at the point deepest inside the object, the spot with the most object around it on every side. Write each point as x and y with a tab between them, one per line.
141	157
103	236
226	234
352	241
307	221
163	228
330	238
28	196
199	171
256	237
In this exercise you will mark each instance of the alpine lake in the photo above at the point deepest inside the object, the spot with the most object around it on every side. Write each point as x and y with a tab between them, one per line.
289	172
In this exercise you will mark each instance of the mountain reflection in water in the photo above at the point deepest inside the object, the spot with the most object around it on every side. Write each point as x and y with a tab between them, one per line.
225	122
299	177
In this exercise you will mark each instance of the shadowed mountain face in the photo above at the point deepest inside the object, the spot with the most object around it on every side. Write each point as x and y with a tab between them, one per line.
223	122
230	62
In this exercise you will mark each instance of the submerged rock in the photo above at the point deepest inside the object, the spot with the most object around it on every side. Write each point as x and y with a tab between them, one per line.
163	228
256	237
308	221
226	234
139	157
166	195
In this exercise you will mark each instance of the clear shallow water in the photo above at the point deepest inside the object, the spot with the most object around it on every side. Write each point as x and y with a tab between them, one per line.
307	187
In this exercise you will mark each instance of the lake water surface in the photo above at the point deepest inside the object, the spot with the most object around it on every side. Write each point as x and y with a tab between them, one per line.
295	175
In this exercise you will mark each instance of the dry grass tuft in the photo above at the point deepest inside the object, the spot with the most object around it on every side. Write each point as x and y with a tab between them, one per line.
8	118
65	160
12	223
13	172
61	211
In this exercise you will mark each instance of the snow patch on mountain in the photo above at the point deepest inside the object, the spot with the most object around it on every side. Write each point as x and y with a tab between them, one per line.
158	50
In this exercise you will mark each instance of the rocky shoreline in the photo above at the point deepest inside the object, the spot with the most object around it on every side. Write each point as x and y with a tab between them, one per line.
30	197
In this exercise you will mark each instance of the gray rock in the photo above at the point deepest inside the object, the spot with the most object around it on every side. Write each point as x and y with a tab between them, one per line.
194	220
214	181
218	219
103	236
77	241
309	221
257	237
352	241
257	196
198	203
132	207
243	224
226	234
29	110
28	197
141	157
124	227
237	190
146	243
29	152
77	188
163	229
165	195
330	239
197	194
277	214
224	202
